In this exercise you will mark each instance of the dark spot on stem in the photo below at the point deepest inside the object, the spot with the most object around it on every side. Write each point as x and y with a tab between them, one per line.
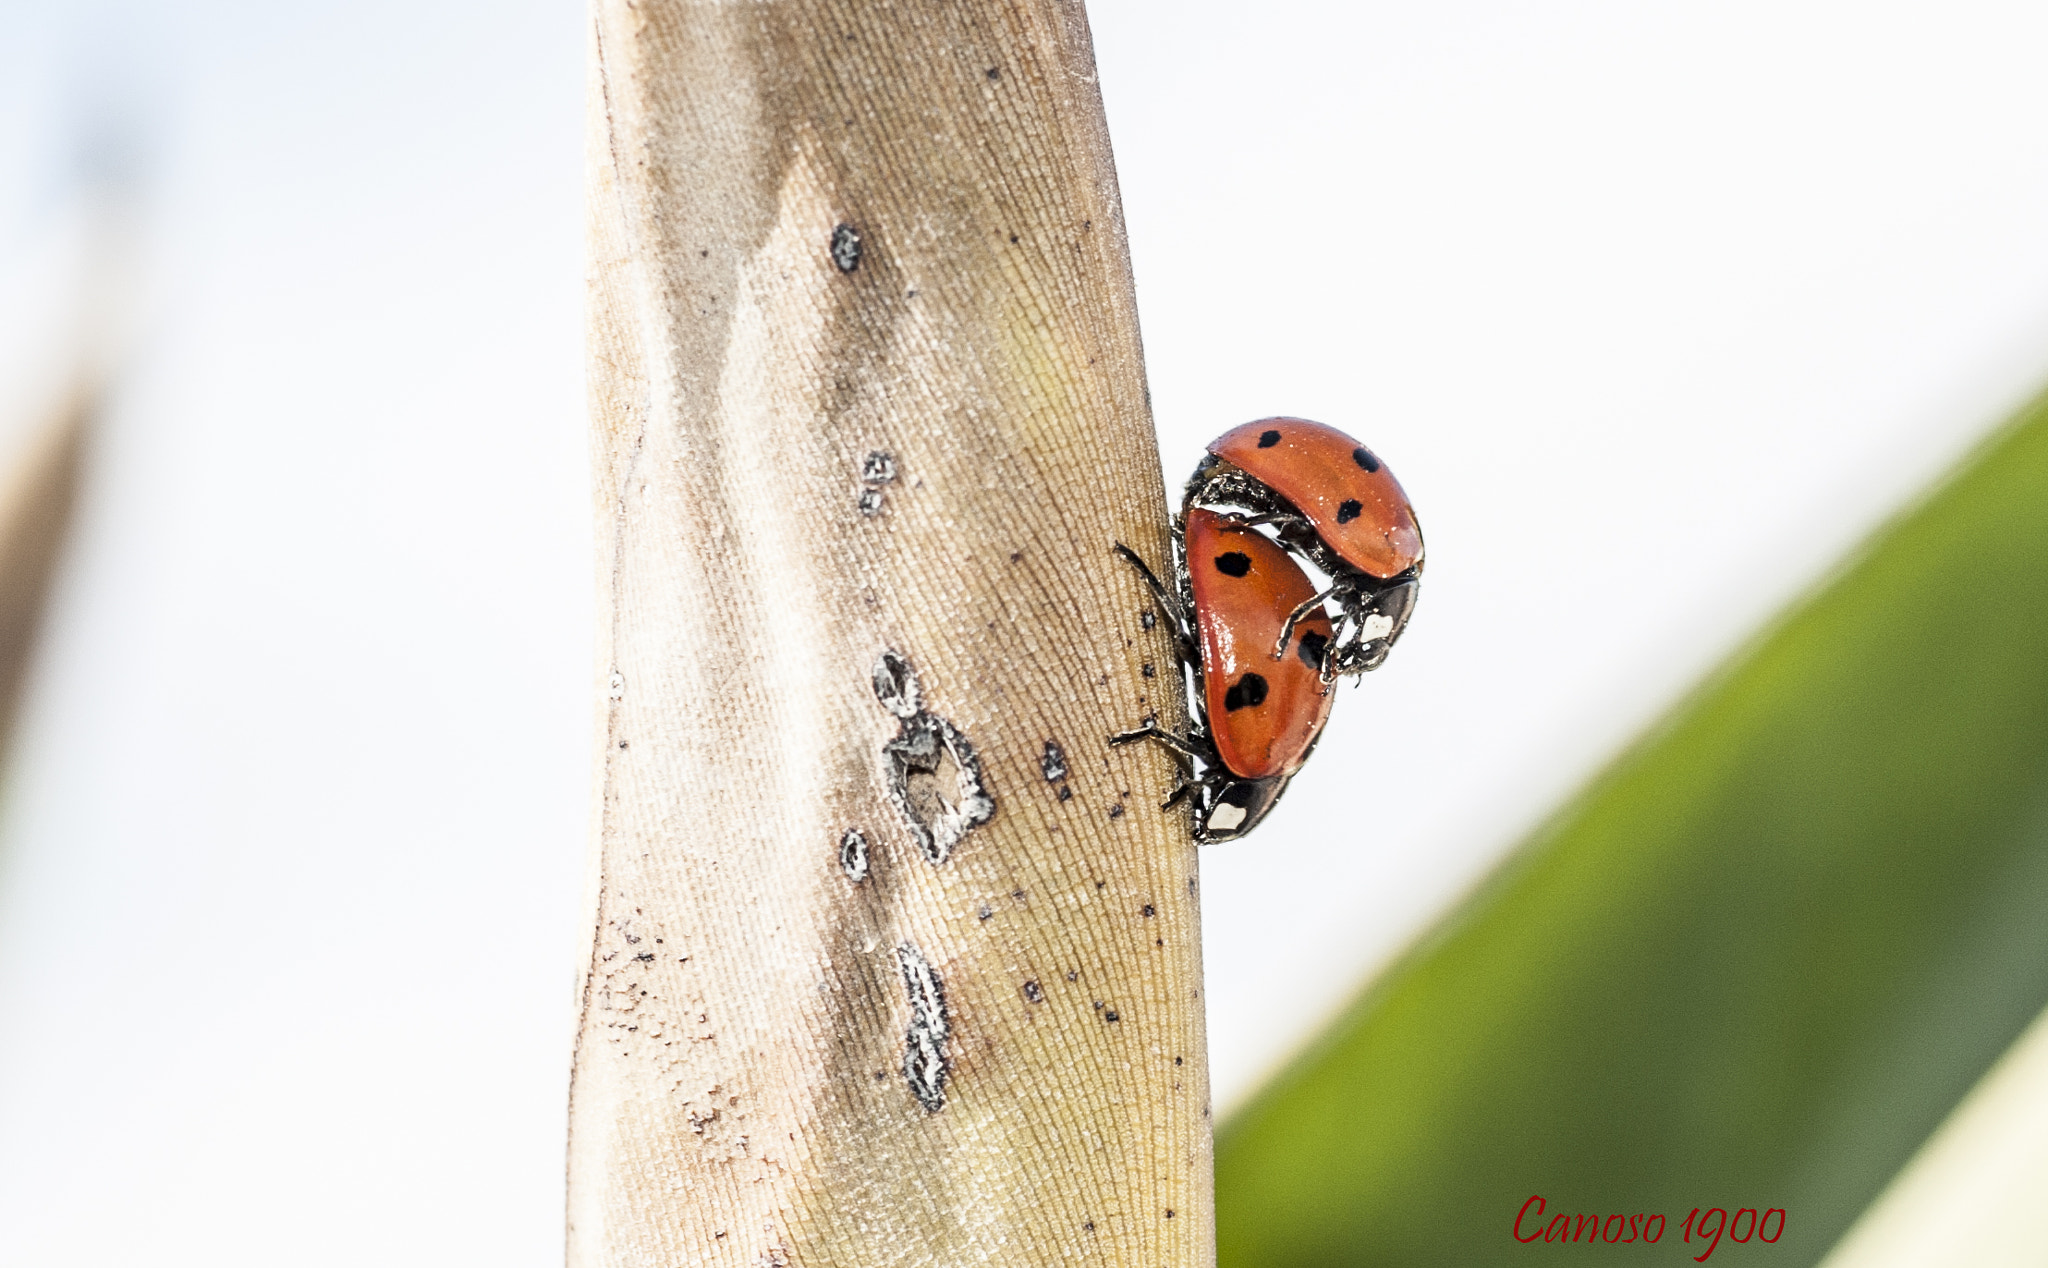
846	248
853	855
931	772
924	1053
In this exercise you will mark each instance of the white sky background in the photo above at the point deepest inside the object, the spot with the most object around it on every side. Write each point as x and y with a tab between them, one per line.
1654	309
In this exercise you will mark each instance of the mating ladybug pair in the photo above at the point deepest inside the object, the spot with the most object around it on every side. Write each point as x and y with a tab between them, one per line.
1264	646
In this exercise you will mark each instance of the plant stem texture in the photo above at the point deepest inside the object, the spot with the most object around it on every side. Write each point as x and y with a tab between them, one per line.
893	960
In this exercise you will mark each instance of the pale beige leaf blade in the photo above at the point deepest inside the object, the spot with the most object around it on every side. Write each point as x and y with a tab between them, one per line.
866	984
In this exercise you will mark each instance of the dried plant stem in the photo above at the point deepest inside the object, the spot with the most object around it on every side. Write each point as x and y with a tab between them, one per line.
893	959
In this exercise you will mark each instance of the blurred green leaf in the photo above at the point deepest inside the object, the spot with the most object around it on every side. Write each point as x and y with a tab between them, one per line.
1753	965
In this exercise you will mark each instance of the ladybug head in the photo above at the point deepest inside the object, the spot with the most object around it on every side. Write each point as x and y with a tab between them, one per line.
1234	806
1376	622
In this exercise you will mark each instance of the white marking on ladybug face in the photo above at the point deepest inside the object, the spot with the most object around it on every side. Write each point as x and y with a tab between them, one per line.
1225	817
1378	625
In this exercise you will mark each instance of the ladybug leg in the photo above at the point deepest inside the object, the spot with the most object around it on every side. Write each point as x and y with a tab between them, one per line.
1166	601
1282	519
1178	793
1184	642
1185	780
1301	610
1185	753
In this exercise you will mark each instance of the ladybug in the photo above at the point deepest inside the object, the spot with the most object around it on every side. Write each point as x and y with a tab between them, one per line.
1256	718
1331	501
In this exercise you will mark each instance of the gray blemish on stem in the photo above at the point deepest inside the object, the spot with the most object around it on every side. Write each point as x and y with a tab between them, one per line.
924	1044
853	855
933	777
846	248
876	470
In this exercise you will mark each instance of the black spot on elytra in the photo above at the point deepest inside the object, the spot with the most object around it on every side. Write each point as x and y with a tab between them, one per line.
846	248
1349	510
1034	993
1248	692
1310	647
1268	439
1111	1015
1363	457
1233	563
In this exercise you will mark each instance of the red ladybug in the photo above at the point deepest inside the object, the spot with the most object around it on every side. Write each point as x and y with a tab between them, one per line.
1256	718
1332	501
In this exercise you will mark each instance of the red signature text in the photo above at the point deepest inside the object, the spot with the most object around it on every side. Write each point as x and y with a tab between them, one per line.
1532	1224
